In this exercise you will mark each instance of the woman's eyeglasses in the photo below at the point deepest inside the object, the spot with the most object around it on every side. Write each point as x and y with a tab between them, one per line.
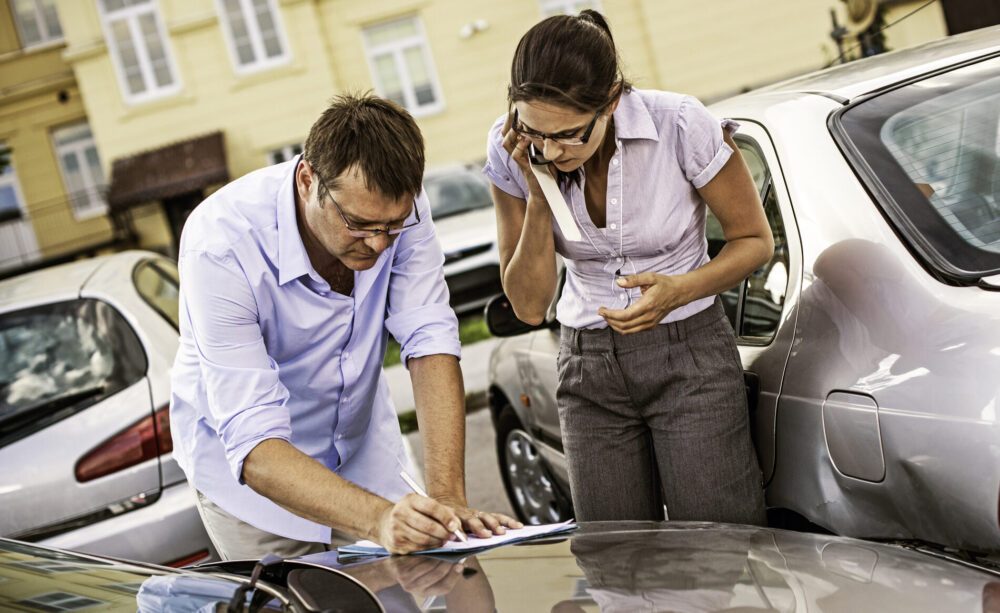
562	139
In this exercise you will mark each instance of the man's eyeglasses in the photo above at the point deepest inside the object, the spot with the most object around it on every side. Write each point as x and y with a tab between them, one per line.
540	137
362	232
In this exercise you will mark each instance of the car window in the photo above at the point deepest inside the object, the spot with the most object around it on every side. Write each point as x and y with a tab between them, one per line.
754	306
454	193
158	282
929	152
60	358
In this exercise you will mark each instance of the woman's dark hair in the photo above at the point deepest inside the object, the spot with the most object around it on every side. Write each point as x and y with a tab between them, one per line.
568	60
376	135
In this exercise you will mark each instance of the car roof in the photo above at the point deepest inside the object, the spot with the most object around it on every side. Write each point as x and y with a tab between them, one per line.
64	281
870	74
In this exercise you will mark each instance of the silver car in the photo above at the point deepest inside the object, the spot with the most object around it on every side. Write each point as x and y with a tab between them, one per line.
84	391
871	340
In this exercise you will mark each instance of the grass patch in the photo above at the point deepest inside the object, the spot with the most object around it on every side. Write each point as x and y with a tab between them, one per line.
471	329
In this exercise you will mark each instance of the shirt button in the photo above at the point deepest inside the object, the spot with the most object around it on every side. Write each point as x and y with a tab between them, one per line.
614	201
340	436
614	226
621	296
615	161
619	260
347	354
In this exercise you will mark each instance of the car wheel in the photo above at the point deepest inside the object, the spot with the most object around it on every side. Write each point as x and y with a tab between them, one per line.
532	491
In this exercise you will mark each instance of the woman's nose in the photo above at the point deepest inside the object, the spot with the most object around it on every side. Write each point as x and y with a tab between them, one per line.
551	149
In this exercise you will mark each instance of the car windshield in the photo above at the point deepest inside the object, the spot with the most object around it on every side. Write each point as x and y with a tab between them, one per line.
58	356
454	193
930	152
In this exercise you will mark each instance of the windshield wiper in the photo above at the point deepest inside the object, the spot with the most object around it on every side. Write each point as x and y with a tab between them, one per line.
15	421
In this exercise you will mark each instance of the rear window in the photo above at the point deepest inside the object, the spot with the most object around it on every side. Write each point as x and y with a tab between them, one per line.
930	152
61	358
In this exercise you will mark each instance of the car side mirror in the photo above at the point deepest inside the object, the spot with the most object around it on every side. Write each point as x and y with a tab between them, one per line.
501	320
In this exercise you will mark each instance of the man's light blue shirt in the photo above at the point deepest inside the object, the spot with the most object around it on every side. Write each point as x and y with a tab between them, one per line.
269	350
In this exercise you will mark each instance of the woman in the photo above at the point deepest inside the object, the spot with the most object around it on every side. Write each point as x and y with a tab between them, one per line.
651	396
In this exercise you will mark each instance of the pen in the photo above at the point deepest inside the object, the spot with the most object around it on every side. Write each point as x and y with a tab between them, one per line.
420	491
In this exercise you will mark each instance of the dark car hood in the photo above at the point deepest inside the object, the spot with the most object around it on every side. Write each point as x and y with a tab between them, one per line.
682	566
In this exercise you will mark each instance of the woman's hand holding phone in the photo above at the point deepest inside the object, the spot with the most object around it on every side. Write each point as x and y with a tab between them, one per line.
521	149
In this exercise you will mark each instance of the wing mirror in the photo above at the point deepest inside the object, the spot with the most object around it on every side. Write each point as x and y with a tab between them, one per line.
501	320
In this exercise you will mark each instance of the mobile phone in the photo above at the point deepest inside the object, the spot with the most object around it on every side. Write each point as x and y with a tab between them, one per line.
535	156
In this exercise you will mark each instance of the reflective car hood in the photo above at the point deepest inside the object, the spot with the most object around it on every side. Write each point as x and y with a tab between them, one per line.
679	566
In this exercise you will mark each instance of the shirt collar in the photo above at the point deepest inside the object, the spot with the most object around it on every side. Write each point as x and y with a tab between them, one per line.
632	119
293	261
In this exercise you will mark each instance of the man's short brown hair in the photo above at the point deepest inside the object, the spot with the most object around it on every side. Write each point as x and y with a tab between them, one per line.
377	136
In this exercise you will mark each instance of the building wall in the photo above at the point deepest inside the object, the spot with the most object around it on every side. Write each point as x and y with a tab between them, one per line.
38	94
709	49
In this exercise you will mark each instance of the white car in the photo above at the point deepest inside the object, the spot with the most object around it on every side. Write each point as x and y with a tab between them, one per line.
84	394
466	226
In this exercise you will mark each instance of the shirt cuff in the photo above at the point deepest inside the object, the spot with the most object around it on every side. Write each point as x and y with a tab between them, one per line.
721	157
263	422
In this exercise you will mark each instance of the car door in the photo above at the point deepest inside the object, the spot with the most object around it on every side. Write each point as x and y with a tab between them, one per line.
761	308
78	439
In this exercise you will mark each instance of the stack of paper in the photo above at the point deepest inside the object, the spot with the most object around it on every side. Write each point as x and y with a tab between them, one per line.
473	545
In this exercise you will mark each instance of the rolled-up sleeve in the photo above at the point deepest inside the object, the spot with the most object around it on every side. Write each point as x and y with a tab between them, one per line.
246	399
700	147
500	168
419	316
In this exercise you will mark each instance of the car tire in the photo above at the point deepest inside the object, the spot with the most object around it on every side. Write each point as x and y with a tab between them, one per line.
533	493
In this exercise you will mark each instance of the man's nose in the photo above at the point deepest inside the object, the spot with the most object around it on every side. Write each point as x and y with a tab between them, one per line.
380	242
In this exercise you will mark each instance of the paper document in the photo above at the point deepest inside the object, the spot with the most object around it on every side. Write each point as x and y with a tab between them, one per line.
560	210
474	543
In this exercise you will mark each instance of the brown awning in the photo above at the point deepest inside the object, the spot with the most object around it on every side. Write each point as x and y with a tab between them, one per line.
172	170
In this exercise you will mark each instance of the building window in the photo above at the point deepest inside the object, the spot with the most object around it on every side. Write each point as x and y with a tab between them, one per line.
81	170
139	48
566	7
37	22
11	198
60	601
401	65
284	154
254	33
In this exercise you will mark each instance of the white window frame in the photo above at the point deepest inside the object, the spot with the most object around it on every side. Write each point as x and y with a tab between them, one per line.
287	152
8	178
261	61
131	15
91	202
18	244
43	27
396	49
549	8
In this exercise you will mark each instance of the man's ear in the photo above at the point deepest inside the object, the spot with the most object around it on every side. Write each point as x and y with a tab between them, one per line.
303	180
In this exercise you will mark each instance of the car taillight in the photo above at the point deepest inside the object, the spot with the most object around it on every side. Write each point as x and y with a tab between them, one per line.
143	441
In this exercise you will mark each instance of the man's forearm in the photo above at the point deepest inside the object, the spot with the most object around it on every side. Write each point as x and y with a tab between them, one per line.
439	396
291	479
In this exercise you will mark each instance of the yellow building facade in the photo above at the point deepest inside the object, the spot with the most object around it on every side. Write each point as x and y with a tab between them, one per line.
150	74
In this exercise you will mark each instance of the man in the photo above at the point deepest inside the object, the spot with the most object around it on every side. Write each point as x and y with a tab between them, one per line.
291	278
